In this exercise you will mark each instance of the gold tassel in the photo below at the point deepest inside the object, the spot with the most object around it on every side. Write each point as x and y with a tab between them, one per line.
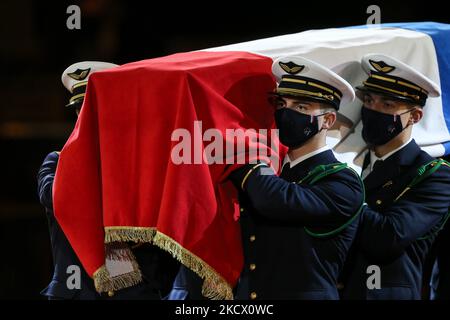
125	234
104	282
102	279
214	286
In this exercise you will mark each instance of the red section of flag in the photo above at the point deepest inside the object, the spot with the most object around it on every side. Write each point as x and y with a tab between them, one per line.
116	168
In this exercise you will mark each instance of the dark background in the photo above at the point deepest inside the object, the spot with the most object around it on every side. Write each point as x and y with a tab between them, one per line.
36	47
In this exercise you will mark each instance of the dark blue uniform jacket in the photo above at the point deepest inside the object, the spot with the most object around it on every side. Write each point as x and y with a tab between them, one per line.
396	235
283	261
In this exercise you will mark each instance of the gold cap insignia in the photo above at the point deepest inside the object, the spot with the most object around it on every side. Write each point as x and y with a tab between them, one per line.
381	66
290	67
79	74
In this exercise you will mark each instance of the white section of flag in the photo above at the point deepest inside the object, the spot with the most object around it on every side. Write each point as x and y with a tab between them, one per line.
342	50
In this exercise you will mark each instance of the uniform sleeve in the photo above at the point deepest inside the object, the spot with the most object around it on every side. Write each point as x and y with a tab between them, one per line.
332	199
410	218
45	179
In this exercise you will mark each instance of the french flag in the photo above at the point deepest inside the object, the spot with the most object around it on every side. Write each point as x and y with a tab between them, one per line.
425	46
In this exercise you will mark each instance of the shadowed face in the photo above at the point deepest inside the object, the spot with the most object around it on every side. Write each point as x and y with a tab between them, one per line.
384	104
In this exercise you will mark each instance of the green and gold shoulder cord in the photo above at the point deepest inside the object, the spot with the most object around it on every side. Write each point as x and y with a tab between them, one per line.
321	172
422	173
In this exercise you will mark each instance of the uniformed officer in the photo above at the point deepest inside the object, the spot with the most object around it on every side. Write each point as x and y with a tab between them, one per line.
407	191
298	227
157	267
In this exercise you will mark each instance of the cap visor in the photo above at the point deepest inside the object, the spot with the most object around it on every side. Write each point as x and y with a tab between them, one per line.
360	90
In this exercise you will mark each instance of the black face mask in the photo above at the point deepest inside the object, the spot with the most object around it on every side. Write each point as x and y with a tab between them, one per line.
295	127
379	128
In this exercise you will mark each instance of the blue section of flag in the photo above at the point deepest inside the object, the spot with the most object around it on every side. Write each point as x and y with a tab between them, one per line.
446	147
440	34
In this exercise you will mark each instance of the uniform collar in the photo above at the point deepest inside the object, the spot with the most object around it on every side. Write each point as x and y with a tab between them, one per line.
374	158
295	162
393	165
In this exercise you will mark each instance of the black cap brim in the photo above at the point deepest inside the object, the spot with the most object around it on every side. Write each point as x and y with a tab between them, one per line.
390	95
305	97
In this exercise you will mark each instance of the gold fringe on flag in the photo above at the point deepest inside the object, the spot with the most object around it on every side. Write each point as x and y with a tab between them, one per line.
105	283
214	285
125	234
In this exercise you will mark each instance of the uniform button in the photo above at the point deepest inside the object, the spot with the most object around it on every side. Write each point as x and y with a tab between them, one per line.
252	238
253	295
378	202
110	293
242	210
252	266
